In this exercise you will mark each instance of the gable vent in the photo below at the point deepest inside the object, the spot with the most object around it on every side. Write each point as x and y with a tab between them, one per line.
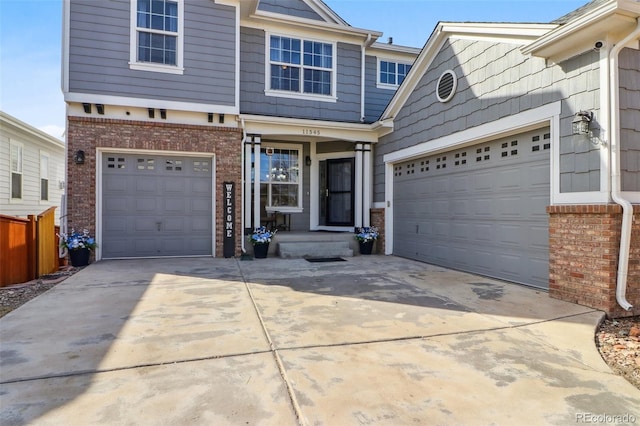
447	85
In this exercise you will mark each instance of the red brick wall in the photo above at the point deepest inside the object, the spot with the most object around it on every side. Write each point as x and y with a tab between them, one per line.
584	242
377	220
88	134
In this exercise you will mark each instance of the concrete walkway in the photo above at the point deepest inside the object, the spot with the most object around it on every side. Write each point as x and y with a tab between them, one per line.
373	340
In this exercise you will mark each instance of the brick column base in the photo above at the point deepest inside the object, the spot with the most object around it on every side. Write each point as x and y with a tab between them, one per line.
377	220
584	242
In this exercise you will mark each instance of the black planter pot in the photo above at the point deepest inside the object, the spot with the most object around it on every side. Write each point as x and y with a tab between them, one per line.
260	251
79	257
366	247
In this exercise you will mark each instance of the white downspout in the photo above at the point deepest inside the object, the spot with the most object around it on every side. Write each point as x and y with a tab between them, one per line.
616	195
362	75
244	178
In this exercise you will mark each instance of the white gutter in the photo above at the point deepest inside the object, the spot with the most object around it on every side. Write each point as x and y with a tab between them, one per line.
616	195
363	51
243	179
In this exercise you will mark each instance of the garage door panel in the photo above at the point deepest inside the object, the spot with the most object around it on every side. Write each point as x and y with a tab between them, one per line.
154	205
486	215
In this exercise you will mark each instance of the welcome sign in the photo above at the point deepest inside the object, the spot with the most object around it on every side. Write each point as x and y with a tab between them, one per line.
229	213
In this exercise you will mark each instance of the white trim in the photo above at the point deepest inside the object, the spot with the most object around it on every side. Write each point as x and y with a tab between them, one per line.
64	72
301	93
134	64
289	146
314	188
389	86
100	151
149	103
43	153
518	123
388	214
20	147
453	89
358	193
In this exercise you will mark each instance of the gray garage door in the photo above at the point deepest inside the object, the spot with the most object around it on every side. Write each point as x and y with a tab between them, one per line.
156	205
480	209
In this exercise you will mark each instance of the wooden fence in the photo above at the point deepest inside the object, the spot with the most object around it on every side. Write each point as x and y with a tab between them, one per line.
28	247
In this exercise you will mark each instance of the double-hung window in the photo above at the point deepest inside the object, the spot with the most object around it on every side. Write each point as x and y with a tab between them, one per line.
44	177
16	159
391	74
156	35
281	178
301	68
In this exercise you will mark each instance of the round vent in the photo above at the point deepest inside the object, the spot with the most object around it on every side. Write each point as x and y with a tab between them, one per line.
447	85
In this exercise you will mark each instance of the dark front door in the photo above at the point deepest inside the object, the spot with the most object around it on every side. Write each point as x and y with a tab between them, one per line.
337	181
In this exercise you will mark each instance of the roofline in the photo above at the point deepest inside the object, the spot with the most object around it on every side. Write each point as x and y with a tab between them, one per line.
27	128
516	33
396	48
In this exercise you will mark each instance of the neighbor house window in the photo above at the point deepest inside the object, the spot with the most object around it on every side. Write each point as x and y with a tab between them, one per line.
281	178
157	35
44	177
301	67
17	153
392	74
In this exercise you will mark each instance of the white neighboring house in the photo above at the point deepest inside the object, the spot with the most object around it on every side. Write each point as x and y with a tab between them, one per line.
32	169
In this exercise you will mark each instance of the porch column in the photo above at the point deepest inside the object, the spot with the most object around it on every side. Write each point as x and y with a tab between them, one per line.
358	193
367	186
256	181
247	183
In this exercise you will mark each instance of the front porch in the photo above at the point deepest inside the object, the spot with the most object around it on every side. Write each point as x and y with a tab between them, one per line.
312	244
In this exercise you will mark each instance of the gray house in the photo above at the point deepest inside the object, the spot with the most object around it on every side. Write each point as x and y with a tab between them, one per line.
507	150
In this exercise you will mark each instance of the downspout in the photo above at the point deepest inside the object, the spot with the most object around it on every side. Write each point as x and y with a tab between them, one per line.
363	54
244	178
616	190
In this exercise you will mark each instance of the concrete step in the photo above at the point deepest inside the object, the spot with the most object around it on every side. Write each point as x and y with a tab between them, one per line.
300	249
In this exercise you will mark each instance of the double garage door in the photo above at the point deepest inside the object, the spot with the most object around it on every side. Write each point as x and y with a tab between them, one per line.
156	205
480	209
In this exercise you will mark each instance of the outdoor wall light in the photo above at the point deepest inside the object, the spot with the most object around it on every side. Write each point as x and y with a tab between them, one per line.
581	122
221	118
163	114
100	108
307	160
210	117
152	112
87	108
78	157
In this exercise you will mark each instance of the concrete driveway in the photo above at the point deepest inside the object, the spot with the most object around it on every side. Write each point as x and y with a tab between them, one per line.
373	340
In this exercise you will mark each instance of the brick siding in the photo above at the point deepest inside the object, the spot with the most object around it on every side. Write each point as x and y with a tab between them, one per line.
584	242
88	134
377	220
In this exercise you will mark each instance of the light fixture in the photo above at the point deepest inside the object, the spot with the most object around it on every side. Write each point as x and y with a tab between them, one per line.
163	114
78	157
100	108
221	118
210	117
581	122
152	112
307	161
87	108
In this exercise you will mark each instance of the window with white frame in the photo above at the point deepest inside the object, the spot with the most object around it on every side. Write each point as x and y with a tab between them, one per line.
17	154
156	35
281	178
392	74
299	66
44	177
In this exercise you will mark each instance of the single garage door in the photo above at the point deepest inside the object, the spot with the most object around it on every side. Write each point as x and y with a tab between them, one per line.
480	209
156	205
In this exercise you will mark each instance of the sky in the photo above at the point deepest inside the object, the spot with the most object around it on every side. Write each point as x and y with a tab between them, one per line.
31	34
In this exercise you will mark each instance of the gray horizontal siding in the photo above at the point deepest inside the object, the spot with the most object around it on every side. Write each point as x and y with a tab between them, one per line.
296	8
376	100
252	85
99	55
629	66
496	80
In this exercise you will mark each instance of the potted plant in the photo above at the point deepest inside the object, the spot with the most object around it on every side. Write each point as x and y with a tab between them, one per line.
366	237
79	246
260	239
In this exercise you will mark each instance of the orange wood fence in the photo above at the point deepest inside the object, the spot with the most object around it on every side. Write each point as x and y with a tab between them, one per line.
28	247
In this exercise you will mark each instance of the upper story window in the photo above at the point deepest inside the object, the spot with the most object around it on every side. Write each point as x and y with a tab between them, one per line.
392	74
44	176
301	68
157	35
16	159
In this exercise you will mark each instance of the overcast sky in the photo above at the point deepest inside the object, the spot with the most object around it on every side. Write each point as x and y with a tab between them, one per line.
30	40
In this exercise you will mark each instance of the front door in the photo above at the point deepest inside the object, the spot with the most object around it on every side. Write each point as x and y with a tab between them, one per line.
336	186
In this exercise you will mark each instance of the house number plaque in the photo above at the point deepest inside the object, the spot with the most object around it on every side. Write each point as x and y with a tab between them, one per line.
229	214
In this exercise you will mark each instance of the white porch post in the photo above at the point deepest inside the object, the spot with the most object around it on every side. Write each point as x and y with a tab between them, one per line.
367	186
358	193
247	183
256	183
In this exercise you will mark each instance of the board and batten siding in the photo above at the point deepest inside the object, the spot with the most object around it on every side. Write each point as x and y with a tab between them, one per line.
629	65
495	80
295	8
252	84
99	54
375	99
